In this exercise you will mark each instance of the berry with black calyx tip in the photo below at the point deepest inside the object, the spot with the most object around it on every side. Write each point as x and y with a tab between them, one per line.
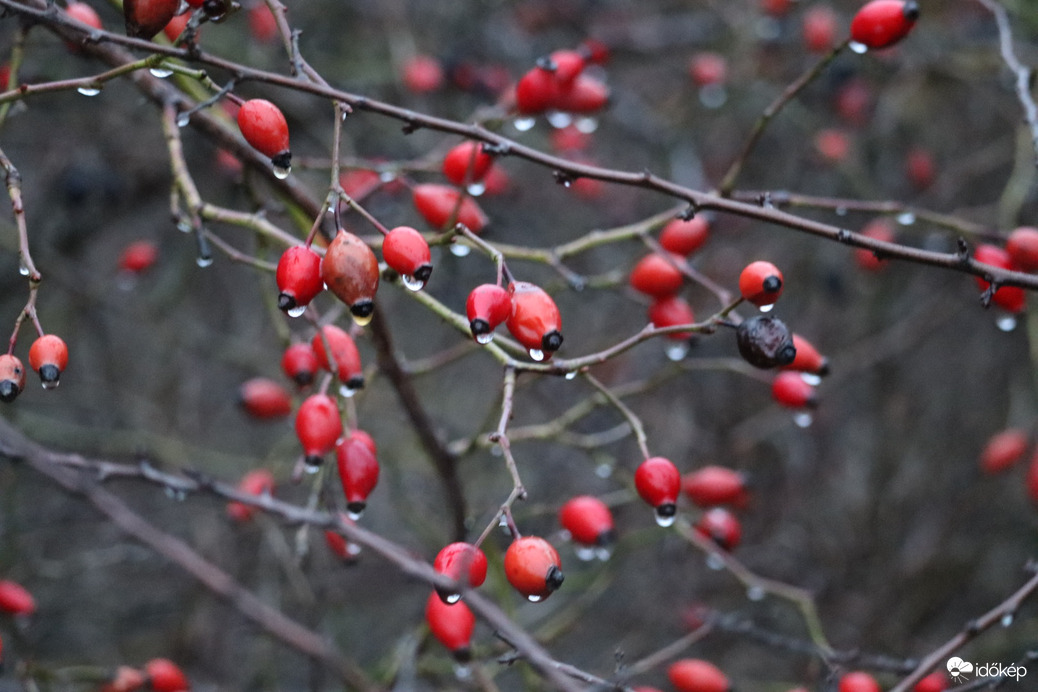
318	427
350	270
765	342
344	352
808	358
299	363
264	127
658	482
882	23
533	567
588	520
407	253
358	471
298	278
12	377
760	283
452	624
48	356
487	306
720	526
534	319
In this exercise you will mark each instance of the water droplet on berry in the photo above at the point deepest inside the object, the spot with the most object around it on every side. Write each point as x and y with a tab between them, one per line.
571	375
811	378
714	562
50	384
484	339
89	91
204	261
347	391
297	311
160	72
476	189
524	124
452	598
755	593
713	96
603	554
1007	620
534	598
183	119
666	519
676	352
906	218
604	470
459	250
362	321
559	119
1006	323
767	308
803	419
859	48
585	553
411	283
586	125
311	469
536	354
355	515
281	172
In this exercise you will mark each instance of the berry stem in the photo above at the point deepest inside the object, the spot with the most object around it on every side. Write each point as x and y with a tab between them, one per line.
773	109
632	419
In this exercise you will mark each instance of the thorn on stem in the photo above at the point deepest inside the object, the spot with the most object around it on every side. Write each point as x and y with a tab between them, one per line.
962	250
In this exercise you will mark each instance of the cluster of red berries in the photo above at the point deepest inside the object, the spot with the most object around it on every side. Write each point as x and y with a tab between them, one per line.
558	83
350	270
712	488
48	357
158	675
529	312
1020	253
660	276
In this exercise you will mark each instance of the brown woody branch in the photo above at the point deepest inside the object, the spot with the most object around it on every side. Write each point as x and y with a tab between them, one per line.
83	476
413	120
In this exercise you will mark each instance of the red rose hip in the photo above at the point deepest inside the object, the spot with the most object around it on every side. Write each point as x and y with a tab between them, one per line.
264	127
533	567
658	482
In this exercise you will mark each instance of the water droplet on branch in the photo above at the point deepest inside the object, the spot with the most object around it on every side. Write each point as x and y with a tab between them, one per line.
859	48
160	72
89	91
524	124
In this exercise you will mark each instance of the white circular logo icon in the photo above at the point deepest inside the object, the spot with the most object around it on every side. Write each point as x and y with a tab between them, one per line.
958	669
